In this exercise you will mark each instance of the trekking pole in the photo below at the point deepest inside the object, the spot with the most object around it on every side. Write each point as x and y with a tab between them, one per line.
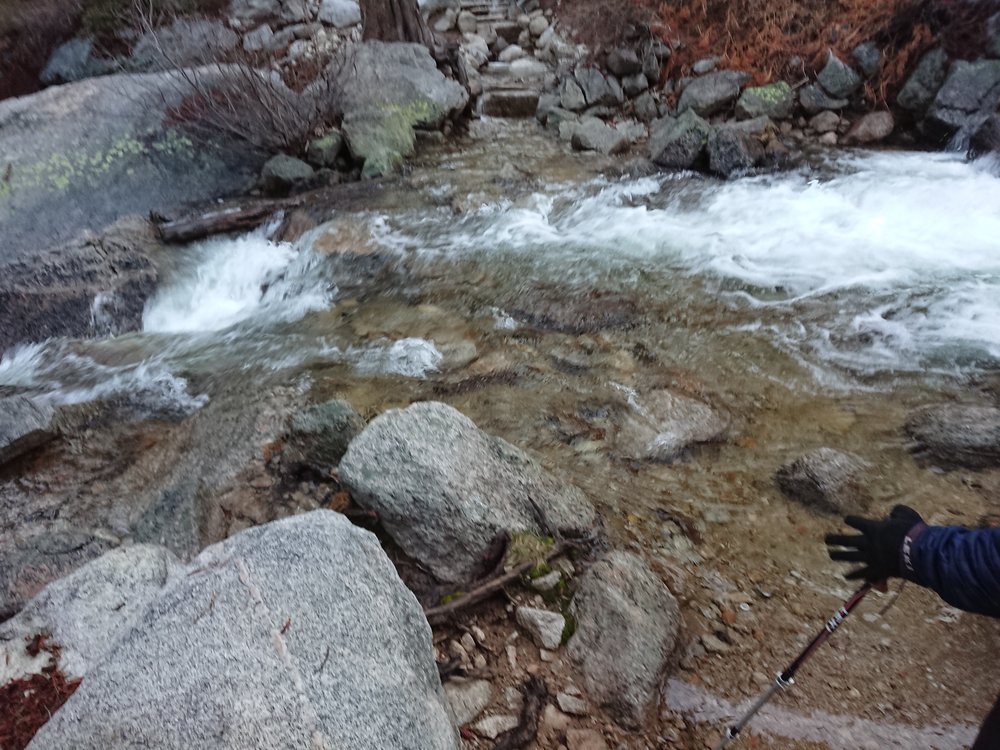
787	678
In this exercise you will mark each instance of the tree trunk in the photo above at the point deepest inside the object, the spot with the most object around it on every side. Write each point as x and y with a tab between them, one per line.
395	21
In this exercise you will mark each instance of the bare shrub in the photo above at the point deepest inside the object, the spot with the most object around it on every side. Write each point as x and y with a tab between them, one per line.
243	99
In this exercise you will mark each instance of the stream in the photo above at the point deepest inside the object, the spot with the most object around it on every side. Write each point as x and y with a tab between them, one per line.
542	292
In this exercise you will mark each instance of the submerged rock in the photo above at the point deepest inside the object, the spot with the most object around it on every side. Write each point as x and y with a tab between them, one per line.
826	479
957	435
24	425
712	93
661	426
627	623
444	490
290	635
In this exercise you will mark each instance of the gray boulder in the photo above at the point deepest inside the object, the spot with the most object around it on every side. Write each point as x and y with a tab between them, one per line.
986	138
290	635
571	96
712	93
774	100
444	490
24	424
871	128
598	89
259	39
282	172
74	61
813	100
734	150
627	623
646	108
624	62
838	78
868	57
705	65
319	436
969	95
678	142
88	153
955	435
923	84
88	610
826	479
340	13
665	425
386	90
825	122
592	134
185	42
634	85
254	10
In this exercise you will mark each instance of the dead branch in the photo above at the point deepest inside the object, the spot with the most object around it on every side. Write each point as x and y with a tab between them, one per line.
536	695
218	221
441	613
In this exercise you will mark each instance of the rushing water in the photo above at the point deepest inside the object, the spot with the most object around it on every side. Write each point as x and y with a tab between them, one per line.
545	300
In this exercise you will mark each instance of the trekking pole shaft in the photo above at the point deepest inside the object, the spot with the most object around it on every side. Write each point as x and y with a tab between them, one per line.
787	678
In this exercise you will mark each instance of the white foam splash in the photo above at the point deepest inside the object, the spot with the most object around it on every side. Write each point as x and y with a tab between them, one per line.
229	281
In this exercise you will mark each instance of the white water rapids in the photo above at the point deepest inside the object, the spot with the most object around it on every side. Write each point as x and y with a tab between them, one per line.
874	263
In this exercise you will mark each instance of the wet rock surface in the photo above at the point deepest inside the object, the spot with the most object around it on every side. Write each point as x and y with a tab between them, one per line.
24	424
955	435
826	479
664	426
444	490
262	654
319	436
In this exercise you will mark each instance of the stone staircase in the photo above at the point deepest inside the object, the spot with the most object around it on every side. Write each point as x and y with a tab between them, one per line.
510	81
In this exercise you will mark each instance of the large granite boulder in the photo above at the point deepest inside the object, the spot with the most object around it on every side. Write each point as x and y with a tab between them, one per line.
87	153
956	435
385	90
444	489
712	93
627	623
970	94
678	142
294	634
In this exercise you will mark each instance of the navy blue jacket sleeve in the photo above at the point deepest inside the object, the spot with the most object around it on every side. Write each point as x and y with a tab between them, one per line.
961	565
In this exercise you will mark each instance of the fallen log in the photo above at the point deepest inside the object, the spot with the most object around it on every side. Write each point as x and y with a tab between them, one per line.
233	218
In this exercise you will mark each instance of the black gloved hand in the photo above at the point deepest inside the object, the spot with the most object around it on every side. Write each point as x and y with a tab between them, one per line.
877	548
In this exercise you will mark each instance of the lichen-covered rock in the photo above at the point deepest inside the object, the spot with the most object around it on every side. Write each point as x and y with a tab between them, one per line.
678	142
282	172
323	151
713	93
826	479
294	634
774	100
923	84
838	78
627	623
387	89
444	490
957	435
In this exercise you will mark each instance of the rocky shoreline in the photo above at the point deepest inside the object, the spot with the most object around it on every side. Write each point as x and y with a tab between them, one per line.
265	570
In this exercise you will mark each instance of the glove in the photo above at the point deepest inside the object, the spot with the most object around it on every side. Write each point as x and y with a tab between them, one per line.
878	548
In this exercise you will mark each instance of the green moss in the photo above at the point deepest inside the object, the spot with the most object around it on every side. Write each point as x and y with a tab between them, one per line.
569	628
449	598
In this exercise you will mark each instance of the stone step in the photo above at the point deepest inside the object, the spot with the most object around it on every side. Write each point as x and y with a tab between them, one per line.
524	69
514	103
